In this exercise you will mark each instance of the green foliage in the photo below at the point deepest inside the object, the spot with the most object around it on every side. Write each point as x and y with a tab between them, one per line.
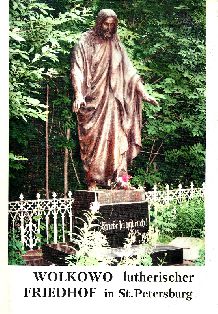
42	235
169	45
201	259
15	250
145	259
190	218
163	219
92	247
166	43
179	219
189	157
90	244
142	257
143	177
40	43
14	162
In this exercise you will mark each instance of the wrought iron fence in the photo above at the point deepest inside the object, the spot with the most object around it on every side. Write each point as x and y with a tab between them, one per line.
52	220
49	220
165	196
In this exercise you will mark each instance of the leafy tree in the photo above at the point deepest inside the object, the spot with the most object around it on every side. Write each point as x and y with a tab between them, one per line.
166	42
40	46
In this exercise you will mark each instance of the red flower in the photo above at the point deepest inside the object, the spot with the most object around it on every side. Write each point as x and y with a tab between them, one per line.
126	177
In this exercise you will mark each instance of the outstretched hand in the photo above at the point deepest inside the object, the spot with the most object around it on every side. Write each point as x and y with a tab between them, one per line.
150	99
145	96
78	103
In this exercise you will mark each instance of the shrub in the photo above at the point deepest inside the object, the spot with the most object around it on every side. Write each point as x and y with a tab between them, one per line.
90	243
163	219
190	218
15	250
92	247
179	219
143	255
201	259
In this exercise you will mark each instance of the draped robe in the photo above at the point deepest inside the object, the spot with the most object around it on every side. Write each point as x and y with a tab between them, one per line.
109	126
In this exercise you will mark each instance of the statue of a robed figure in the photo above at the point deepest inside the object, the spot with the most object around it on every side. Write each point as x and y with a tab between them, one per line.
108	96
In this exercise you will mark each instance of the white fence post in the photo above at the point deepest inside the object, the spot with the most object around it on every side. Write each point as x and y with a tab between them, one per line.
54	195
47	227
63	226
192	190
180	192
30	225
39	216
22	229
71	216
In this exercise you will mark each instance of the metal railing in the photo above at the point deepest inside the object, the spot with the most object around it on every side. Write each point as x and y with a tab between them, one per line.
52	220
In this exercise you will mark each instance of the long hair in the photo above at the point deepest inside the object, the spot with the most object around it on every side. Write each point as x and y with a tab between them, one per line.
102	16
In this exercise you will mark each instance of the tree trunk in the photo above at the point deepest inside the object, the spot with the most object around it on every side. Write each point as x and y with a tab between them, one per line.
66	163
46	147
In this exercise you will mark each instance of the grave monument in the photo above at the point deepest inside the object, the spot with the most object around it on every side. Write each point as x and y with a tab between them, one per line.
108	96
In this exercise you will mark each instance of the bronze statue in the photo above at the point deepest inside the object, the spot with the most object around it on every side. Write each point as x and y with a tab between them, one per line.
108	95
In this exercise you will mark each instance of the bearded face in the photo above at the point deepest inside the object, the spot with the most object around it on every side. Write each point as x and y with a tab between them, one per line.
106	24
108	28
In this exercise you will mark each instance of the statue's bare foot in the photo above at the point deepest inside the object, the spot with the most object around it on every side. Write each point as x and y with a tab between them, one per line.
92	186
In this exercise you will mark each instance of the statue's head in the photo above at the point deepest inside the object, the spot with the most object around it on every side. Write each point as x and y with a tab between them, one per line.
106	23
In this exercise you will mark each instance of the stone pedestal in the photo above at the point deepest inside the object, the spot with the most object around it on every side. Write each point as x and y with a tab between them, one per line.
57	253
164	255
83	198
121	210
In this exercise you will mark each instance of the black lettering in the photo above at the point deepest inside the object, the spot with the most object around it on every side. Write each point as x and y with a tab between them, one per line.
36	293
122	292
107	276
95	276
70	276
39	275
82	274
138	292
171	278
54	275
27	291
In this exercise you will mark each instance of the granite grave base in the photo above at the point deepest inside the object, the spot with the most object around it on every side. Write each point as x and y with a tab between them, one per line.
121	211
167	255
57	253
162	255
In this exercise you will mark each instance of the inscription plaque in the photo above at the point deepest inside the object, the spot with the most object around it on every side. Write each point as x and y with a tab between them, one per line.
121	211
